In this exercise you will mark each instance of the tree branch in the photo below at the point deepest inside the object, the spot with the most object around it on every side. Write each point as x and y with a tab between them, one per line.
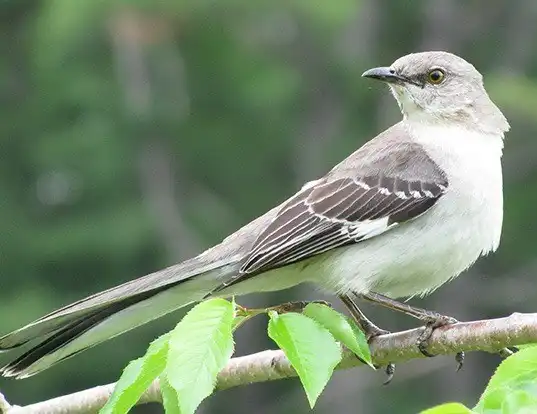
486	335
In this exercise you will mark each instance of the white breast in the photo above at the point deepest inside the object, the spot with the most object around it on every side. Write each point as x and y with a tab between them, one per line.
415	258
472	162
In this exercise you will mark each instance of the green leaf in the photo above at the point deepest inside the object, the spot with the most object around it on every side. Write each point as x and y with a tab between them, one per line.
448	408
513	387
519	402
523	346
169	396
342	328
310	348
238	321
137	377
200	347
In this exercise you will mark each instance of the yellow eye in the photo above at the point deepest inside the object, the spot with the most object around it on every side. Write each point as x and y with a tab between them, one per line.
435	76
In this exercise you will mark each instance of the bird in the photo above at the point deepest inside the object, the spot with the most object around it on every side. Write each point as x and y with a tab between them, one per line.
408	211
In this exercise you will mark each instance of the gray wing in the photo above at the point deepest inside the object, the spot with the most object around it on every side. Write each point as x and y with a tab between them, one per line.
342	209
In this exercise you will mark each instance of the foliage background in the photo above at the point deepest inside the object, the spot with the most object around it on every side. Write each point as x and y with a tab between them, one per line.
137	133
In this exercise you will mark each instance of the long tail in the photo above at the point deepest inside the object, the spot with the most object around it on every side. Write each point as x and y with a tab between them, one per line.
97	318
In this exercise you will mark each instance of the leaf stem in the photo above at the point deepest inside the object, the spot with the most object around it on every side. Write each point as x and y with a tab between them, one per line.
244	314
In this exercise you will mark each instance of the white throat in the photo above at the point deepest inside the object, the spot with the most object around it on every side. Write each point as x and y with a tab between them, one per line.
478	114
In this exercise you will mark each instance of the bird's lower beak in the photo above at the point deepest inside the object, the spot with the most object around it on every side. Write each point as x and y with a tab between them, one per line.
384	74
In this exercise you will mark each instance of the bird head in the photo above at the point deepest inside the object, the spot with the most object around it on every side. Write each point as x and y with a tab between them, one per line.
434	86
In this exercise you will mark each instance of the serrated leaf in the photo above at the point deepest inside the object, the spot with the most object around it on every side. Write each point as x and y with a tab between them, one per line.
513	384
137	377
199	348
311	349
169	396
448	408
341	328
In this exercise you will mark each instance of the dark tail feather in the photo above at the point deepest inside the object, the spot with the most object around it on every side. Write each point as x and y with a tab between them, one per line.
68	333
100	317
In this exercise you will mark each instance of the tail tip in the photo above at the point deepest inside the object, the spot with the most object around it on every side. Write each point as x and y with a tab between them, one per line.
11	371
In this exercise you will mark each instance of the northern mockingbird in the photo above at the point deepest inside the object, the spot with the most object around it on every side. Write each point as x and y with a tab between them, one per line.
405	213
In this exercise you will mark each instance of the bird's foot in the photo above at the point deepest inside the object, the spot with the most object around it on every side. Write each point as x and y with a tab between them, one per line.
369	329
507	352
438	320
433	321
372	331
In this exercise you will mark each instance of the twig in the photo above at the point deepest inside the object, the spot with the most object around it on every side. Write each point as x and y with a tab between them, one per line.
486	335
4	405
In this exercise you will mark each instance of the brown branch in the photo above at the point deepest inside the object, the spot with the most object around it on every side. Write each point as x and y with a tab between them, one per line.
486	335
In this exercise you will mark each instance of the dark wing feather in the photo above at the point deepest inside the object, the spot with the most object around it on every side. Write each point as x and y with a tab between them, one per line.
334	213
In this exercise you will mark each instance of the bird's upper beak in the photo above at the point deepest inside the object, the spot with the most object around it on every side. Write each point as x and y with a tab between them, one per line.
384	74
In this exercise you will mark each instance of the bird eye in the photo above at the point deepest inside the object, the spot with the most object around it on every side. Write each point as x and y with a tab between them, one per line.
435	76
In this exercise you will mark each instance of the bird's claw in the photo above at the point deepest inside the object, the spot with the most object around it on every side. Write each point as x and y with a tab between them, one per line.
507	352
459	357
373	332
428	329
390	370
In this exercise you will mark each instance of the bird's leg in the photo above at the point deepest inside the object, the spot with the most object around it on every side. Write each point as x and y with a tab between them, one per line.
423	315
432	321
369	328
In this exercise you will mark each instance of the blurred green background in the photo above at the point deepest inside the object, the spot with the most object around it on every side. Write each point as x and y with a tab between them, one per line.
137	133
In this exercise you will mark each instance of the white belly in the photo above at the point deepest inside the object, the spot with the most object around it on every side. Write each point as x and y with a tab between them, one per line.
416	257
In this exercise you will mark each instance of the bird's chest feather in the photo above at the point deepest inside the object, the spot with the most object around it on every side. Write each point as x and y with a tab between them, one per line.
472	163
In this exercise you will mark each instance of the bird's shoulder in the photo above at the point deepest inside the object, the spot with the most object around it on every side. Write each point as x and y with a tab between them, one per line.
392	153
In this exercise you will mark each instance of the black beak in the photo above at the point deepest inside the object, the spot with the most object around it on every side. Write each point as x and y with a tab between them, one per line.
384	74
